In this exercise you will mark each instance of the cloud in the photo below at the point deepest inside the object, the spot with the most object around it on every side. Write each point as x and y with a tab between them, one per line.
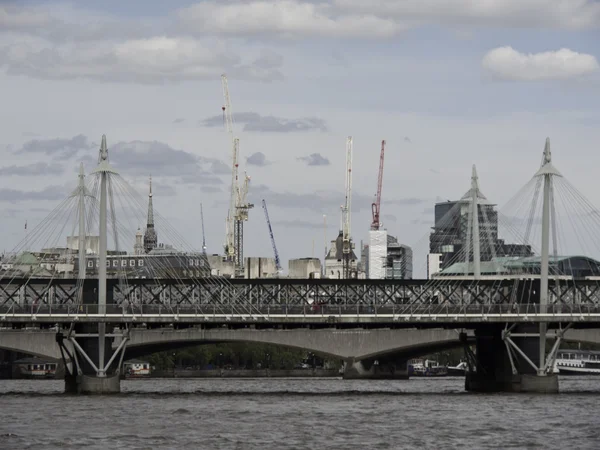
255	122
314	159
322	200
428	211
557	14
210	189
49	193
507	63
179	120
287	18
58	148
299	224
32	169
257	159
407	139
390	218
421	222
161	160
151	60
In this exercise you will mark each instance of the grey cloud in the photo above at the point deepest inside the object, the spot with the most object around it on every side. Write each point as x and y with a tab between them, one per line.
49	193
407	139
202	180
390	218
255	122
156	60
257	159
315	159
210	189
17	212
179	120
32	169
30	134
158	158
299	224
421	222
163	189
320	200
409	201
58	148
428	211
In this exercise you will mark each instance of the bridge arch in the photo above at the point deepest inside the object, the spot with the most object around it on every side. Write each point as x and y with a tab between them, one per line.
356	344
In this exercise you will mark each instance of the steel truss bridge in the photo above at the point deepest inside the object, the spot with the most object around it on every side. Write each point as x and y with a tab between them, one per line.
299	301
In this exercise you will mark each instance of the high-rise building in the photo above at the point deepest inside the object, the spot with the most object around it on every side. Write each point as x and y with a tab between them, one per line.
450	233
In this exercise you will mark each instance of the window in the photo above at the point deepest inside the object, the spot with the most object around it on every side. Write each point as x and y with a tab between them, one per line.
90	263
107	263
140	262
191	262
132	263
115	263
123	263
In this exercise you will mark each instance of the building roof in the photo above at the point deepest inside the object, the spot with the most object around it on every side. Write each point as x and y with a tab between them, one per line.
501	265
26	259
487	267
33	360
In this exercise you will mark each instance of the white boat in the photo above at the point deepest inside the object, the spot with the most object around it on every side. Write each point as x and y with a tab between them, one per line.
460	369
578	362
426	368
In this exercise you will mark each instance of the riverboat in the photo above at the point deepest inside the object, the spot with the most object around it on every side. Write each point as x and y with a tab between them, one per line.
426	368
136	369
34	368
578	362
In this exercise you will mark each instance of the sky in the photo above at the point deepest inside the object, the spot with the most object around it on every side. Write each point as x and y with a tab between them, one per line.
447	84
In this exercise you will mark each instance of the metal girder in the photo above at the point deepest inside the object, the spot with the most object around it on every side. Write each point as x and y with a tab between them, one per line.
256	292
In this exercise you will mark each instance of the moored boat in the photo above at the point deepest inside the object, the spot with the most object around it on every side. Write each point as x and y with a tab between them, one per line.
578	362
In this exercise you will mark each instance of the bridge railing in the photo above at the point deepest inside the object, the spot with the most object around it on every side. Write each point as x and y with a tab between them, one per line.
305	310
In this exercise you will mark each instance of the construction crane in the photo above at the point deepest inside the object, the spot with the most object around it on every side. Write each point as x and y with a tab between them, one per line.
203	235
346	212
238	203
229	225
376	206
241	215
275	252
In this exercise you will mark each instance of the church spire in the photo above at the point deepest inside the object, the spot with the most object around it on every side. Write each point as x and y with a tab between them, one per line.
150	208
150	237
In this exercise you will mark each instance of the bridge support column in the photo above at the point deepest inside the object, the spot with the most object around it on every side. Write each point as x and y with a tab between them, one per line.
507	360
375	370
88	375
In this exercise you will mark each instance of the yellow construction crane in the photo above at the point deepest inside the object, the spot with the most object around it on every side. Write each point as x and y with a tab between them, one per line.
238	199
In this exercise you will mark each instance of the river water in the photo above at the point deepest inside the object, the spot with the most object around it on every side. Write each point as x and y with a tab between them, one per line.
297	414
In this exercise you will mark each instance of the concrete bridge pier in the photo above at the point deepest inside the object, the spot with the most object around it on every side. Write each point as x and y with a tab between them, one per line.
504	362
91	374
375	369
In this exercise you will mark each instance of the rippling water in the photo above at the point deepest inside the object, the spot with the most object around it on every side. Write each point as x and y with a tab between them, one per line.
298	414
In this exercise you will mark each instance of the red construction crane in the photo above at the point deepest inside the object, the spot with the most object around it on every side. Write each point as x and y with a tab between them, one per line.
375	207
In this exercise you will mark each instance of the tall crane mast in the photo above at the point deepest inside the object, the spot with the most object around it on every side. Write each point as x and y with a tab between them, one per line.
275	252
203	235
346	211
376	207
229	225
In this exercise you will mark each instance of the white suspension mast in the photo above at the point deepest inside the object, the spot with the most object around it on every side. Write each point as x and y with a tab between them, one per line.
229	226
346	210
